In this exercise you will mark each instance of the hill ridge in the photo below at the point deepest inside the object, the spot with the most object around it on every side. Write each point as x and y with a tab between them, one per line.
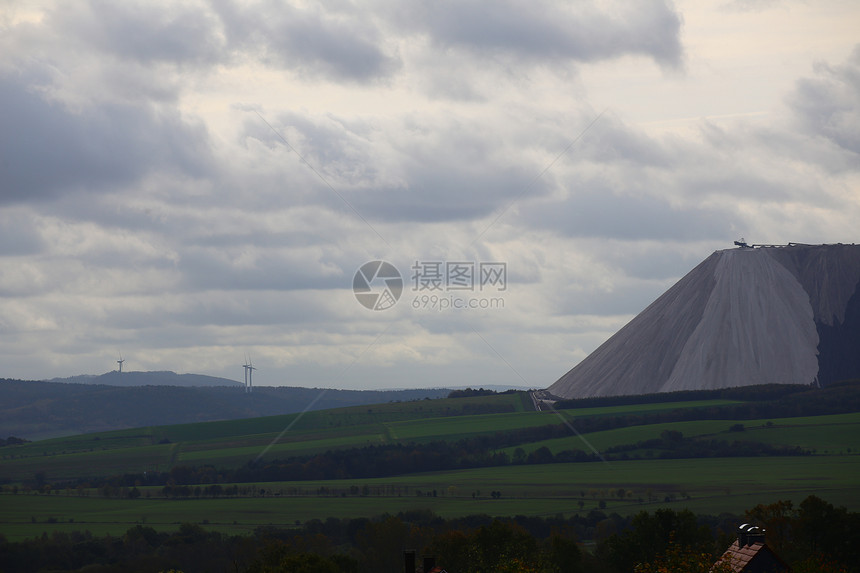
38	409
147	378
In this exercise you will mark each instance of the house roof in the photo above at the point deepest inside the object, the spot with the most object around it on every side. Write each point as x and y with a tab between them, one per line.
739	556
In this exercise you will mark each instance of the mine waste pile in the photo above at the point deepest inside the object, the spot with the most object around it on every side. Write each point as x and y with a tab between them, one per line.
745	316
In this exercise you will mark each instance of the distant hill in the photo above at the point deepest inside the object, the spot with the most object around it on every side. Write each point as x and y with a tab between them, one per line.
170	378
39	409
746	316
157	378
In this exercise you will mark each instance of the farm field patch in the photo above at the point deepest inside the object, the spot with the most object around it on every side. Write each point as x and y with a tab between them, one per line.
702	485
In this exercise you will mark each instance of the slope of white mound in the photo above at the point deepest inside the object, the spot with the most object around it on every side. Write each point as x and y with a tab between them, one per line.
641	356
741	317
757	328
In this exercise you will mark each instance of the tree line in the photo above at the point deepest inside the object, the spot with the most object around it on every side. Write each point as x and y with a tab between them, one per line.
762	401
12	441
815	536
472	392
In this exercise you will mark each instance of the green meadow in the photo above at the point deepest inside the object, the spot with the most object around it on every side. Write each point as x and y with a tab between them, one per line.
704	484
710	486
835	433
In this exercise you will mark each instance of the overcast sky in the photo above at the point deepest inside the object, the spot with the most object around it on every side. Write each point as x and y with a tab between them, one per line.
187	182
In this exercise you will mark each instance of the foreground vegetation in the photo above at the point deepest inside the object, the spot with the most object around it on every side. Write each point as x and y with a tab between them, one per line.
815	536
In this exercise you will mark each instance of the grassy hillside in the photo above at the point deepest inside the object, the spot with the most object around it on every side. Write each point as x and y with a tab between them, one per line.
233	443
64	483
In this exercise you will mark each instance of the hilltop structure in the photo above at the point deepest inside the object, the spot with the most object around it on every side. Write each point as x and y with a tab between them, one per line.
745	316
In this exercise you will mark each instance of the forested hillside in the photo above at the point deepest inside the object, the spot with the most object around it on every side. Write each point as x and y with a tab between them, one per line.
35	410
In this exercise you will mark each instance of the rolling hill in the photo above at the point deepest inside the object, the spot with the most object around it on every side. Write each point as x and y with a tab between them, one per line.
156	378
37	410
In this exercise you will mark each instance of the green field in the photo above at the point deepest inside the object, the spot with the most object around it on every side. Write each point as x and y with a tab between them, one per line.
235	442
711	486
641	408
837	433
704	485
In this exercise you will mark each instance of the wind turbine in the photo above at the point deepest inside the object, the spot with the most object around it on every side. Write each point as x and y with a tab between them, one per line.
250	374
245	366
120	361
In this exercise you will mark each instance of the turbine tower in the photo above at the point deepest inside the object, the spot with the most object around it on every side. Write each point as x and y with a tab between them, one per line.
251	369
245	366
120	361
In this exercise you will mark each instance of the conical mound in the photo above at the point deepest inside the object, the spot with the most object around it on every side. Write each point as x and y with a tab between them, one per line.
781	315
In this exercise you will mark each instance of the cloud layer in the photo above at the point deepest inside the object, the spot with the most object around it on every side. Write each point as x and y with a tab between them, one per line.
186	182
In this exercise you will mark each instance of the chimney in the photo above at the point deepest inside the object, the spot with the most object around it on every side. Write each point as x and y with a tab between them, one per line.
429	563
409	561
749	534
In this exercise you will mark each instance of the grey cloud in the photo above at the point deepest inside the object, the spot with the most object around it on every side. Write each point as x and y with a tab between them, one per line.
627	296
47	150
733	182
345	46
612	142
599	211
179	321
205	268
19	235
553	30
321	164
829	104
333	146
238	238
147	32
454	173
316	42
447	192
643	261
